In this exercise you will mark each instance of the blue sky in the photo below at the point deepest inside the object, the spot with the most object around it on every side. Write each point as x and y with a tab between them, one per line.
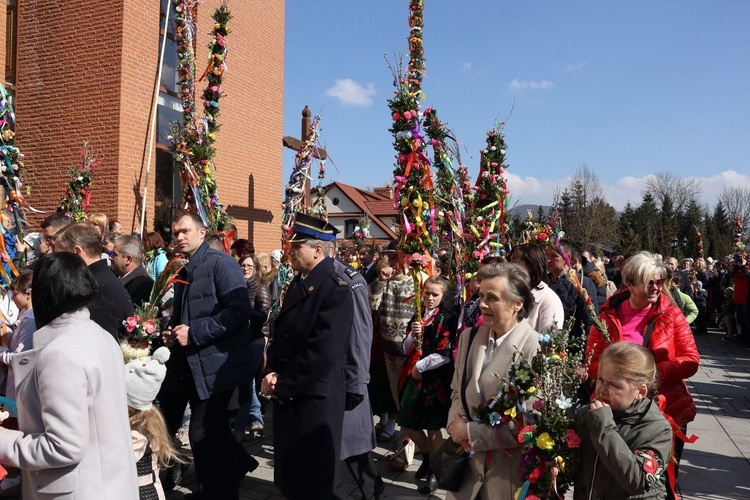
627	88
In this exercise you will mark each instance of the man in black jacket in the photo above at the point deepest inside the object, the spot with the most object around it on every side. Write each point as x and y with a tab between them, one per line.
306	363
114	305
368	266
127	264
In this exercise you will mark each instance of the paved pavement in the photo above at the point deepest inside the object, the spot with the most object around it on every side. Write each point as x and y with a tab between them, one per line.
717	466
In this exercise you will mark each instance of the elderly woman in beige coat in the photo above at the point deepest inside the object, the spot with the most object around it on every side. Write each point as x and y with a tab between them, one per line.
74	438
505	301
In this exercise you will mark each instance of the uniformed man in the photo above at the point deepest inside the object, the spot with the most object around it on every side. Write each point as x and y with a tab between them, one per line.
358	438
306	363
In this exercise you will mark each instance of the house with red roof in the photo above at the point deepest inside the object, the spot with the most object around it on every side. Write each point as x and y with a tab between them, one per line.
348	205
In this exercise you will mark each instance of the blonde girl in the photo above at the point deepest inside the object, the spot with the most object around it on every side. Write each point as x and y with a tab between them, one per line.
152	445
99	221
626	442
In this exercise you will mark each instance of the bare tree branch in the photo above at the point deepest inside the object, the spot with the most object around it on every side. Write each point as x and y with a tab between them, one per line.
680	189
736	201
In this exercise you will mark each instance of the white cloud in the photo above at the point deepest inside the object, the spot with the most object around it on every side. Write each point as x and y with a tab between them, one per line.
531	84
352	93
531	190
525	190
575	66
466	67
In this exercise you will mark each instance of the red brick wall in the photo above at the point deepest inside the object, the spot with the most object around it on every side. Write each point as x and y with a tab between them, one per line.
249	150
86	72
68	84
2	35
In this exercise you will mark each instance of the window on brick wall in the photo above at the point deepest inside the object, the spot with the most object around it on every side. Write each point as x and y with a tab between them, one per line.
169	110
11	41
167	178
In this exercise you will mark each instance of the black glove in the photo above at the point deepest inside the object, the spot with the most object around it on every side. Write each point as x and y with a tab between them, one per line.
352	401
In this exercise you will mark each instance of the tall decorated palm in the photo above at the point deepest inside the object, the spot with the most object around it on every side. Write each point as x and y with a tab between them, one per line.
192	142
412	178
738	243
449	195
12	171
487	232
294	202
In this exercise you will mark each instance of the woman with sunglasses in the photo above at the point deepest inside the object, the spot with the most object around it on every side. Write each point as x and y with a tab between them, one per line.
644	313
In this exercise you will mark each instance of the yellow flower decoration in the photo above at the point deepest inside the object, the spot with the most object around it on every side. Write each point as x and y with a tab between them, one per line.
531	390
545	442
511	412
560	463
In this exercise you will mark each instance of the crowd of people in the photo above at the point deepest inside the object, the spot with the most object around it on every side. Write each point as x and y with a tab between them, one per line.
345	356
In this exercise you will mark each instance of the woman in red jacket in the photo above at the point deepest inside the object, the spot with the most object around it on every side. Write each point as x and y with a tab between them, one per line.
645	314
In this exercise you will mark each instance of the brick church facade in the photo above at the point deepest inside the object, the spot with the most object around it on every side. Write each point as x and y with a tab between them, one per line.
85	70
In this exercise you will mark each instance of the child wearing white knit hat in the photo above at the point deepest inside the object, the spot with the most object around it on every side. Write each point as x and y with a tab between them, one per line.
152	444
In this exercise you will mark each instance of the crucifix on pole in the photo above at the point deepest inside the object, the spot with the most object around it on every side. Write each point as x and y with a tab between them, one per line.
298	145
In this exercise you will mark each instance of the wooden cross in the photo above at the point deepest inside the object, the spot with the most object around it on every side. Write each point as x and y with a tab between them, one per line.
298	145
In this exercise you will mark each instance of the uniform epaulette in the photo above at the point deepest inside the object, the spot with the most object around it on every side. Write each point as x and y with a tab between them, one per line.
350	271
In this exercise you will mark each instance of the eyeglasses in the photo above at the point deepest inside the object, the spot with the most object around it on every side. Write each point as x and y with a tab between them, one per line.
656	283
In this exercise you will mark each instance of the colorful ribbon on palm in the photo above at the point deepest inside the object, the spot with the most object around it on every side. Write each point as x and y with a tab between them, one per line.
192	143
77	198
12	170
739	245
412	178
487	232
449	196
295	202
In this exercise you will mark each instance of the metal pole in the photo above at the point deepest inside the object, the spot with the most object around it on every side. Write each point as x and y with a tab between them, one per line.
152	125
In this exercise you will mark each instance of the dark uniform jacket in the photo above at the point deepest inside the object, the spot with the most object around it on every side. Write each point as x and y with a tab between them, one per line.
308	355
359	432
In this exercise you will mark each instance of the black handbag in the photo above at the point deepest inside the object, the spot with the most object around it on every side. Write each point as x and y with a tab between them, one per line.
451	461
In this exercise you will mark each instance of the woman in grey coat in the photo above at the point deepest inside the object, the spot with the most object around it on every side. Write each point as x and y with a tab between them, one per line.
74	437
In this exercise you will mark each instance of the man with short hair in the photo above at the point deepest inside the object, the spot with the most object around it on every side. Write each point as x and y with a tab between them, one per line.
52	225
114	305
306	367
127	264
368	267
209	337
672	265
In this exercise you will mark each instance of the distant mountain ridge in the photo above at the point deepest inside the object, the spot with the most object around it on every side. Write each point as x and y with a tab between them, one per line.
521	210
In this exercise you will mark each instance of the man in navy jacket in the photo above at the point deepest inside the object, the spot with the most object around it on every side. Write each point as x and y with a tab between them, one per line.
211	356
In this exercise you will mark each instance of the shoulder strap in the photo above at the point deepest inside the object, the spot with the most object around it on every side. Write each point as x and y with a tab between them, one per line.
647	335
464	379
